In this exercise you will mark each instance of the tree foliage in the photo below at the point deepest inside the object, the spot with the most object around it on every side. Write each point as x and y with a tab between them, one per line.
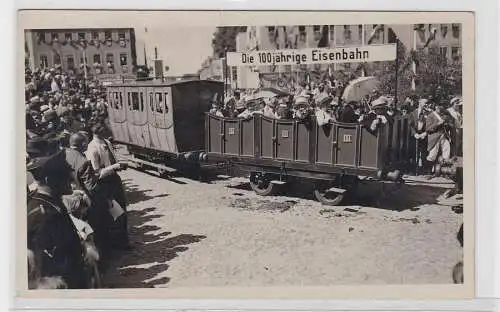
436	75
224	40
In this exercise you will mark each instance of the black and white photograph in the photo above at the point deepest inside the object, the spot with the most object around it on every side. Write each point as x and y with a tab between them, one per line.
169	155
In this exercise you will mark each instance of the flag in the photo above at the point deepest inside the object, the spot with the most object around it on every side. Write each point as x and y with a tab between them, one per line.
375	31
432	36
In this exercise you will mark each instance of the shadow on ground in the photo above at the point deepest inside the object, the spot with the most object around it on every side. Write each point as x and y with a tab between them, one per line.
152	249
388	196
136	195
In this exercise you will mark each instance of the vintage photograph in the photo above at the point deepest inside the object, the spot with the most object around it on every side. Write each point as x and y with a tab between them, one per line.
162	156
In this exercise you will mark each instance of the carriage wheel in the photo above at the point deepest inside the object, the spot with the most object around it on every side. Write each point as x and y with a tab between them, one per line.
329	197
262	185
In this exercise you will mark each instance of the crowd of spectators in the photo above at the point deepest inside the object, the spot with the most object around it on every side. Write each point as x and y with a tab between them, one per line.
435	120
75	198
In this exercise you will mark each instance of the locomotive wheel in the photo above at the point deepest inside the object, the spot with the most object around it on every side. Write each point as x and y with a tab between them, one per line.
262	185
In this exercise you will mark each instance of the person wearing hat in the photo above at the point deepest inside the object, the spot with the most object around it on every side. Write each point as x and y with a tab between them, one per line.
347	113
85	180
229	110
215	109
438	127
269	109
101	156
301	108
455	111
416	123
52	238
283	108
377	116
323	113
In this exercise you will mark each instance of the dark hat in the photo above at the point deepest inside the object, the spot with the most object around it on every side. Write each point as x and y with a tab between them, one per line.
49	115
37	146
40	153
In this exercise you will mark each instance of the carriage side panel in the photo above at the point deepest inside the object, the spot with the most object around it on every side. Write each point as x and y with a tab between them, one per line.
285	136
214	131
369	148
302	142
324	145
266	137
346	147
231	137
132	96
160	119
247	137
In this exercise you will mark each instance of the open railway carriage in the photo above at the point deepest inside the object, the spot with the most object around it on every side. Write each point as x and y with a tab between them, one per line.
275	151
161	121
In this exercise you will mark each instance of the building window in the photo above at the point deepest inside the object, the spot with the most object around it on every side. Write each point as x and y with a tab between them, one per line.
121	35
44	61
107	35
110	63
360	33
57	59
271	28
95	35
455	53
316	28
332	32
455	28
40	36
302	33
347	32
123	59
70	62
97	58
443	51
68	36
444	30
81	36
234	73
54	36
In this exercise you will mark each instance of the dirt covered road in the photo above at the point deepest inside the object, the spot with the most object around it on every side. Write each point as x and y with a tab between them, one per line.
188	233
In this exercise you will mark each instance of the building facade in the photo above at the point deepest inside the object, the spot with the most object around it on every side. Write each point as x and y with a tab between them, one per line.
94	52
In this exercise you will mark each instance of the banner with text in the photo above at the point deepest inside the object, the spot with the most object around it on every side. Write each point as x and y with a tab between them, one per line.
355	54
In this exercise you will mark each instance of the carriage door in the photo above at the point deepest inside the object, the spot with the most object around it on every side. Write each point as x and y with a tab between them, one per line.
152	123
346	141
136	115
117	116
145	138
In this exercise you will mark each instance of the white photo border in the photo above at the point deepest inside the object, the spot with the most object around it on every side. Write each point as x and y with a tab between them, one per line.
486	134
